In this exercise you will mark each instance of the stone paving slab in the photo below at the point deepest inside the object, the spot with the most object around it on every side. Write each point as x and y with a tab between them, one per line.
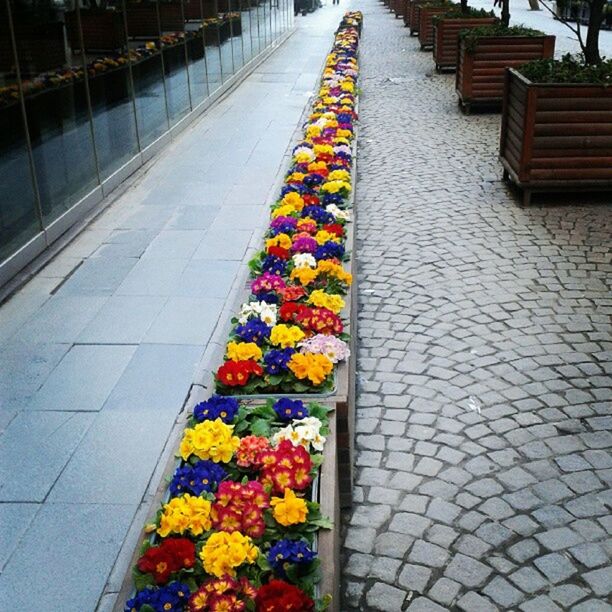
483	413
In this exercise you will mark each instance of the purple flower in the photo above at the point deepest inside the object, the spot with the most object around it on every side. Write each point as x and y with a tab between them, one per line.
276	360
304	244
254	330
288	409
216	407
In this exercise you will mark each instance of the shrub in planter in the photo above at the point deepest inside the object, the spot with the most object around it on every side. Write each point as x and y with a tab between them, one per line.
484	53
446	33
557	126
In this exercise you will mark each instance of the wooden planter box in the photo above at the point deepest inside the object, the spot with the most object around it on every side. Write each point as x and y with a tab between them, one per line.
397	6
424	15
446	38
480	73
102	30
406	13
413	17
556	137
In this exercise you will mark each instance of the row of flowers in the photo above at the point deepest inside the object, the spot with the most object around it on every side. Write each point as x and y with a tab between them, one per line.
289	335
237	530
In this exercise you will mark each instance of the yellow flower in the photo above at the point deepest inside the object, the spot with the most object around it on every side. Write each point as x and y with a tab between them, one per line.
290	509
210	440
323	149
282	211
331	301
240	351
313	366
304	275
335	186
224	552
344	133
339	175
334	270
286	335
293	199
347	86
280	240
296	176
312	131
319	165
322	237
186	513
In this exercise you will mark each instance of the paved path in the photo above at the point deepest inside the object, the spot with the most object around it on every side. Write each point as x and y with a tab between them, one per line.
98	352
484	411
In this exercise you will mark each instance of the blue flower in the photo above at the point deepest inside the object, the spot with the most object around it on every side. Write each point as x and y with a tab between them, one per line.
332	198
203	476
289	552
268	298
276	360
216	407
297	187
320	215
274	265
254	330
170	598
288	409
313	179
329	250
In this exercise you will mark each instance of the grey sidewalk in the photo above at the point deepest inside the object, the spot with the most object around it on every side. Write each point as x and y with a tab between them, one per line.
99	350
484	413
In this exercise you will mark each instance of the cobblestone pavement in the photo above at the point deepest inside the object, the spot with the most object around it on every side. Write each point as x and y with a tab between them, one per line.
483	419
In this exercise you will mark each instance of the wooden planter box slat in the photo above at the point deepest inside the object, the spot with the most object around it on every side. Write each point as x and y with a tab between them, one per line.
446	38
481	72
397	6
567	145
406	13
425	20
413	18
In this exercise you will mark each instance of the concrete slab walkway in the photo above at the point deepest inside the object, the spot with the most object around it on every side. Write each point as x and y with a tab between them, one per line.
484	420
99	350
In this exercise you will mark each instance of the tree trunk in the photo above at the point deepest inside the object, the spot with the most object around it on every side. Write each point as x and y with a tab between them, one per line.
505	13
534	5
464	6
591	47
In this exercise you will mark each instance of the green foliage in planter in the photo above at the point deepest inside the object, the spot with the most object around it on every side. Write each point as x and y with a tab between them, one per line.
569	69
472	13
472	35
438	3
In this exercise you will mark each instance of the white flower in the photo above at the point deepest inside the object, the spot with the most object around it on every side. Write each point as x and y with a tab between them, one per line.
304	260
266	312
302	432
337	212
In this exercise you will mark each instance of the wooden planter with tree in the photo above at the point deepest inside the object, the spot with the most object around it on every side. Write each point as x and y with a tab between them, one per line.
485	53
446	34
406	14
556	136
424	16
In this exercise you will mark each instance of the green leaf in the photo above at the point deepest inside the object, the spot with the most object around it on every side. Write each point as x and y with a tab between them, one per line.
260	427
141	580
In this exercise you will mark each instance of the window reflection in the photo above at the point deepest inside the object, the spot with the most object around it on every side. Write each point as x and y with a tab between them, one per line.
196	50
19	219
56	106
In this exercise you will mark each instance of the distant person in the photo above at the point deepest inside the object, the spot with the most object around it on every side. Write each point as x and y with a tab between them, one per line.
336	1
299	6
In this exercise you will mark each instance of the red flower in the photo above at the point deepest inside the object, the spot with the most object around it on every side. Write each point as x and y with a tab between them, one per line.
291	293
310	199
279	252
280	596
170	556
323	321
334	228
285	467
237	373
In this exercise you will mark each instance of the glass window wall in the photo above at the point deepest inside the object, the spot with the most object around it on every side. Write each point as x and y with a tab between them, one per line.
87	84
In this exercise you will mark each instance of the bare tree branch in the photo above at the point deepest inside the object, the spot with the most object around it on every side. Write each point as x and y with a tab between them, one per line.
576	30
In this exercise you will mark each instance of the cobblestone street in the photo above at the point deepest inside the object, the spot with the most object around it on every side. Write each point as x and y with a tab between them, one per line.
483	417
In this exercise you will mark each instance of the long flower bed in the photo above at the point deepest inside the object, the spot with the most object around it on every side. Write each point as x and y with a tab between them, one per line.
237	528
290	334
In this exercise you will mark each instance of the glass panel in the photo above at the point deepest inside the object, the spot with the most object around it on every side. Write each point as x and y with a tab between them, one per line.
254	20
147	69
245	20
19	220
105	48
227	62
212	39
174	52
236	33
56	106
196	54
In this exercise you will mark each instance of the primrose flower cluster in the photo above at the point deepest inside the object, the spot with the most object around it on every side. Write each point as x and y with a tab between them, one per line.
290	334
237	530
